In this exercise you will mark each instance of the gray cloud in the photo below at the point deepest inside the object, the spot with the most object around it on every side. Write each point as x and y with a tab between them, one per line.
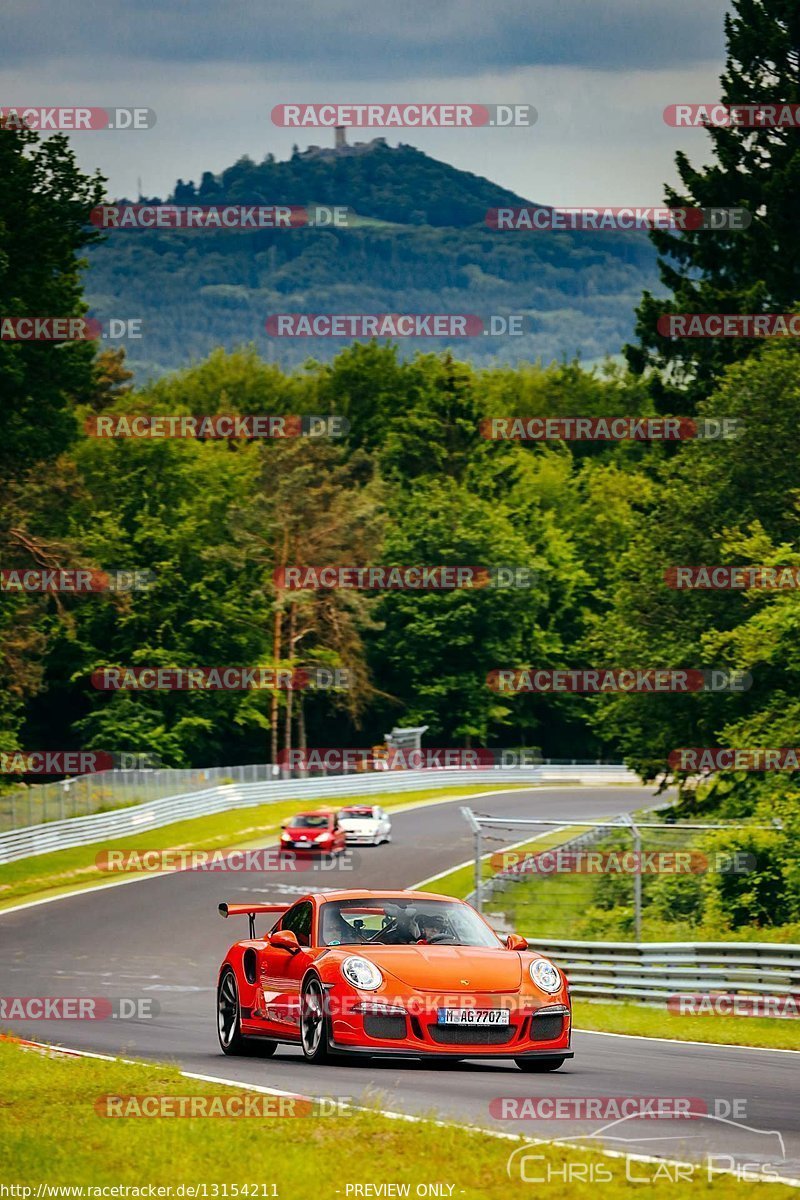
388	40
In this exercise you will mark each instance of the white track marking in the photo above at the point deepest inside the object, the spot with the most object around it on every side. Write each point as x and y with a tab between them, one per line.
644	1037
388	1113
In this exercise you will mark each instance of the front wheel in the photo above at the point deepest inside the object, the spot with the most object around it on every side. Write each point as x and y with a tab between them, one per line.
229	1024
539	1065
313	1022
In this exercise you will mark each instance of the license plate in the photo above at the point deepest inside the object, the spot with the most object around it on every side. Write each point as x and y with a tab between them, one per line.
473	1016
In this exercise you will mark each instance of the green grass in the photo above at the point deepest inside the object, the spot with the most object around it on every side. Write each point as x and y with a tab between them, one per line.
779	1034
462	881
65	870
51	1133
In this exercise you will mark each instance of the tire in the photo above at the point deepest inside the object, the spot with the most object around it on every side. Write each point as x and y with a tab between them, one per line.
229	1023
539	1065
314	1022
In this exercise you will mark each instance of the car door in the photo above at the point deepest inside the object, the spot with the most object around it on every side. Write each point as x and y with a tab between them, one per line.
281	972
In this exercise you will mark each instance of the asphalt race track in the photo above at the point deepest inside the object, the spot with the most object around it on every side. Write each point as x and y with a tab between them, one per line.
161	938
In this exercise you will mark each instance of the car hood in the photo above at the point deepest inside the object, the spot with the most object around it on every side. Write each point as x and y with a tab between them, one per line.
450	968
354	824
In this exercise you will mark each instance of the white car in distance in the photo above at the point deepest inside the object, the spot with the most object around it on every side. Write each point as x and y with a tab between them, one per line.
365	824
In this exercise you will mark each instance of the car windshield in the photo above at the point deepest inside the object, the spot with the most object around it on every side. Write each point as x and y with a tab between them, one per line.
357	814
309	822
398	922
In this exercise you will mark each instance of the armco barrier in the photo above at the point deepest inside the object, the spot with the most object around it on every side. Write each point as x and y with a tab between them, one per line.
103	827
653	971
103	791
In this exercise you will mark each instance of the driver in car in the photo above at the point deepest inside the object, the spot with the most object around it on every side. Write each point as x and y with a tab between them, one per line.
431	928
335	930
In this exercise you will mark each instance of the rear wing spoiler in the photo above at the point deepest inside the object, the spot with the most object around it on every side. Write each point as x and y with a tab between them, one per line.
250	911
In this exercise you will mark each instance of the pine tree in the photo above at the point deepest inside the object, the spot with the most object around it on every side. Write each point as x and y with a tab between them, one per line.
729	271
45	203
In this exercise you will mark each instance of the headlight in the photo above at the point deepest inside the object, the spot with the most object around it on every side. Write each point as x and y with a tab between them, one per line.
286	837
545	975
362	973
322	837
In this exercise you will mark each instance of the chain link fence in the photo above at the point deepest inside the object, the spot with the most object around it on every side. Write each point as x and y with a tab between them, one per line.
104	791
606	878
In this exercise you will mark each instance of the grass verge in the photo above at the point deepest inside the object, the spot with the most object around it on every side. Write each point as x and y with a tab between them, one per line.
644	1021
63	871
461	881
52	1134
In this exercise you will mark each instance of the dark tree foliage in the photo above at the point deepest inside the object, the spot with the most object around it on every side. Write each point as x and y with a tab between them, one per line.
748	271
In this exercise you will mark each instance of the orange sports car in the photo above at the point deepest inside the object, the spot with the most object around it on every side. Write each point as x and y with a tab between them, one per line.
389	973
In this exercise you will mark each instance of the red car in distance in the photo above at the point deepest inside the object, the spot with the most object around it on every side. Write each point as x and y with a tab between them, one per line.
316	832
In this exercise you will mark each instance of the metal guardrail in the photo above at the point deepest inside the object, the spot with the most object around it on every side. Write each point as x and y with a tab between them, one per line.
107	826
103	791
654	971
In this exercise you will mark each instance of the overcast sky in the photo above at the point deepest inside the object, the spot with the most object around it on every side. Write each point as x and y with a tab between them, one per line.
599	73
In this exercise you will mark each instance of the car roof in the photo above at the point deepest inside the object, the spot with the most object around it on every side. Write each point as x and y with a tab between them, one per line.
383	893
315	812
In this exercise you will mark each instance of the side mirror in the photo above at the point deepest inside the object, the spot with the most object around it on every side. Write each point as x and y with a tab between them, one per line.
515	942
284	939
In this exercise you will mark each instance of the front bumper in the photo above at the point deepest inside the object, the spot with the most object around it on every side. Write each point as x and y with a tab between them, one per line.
464	1052
539	1033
